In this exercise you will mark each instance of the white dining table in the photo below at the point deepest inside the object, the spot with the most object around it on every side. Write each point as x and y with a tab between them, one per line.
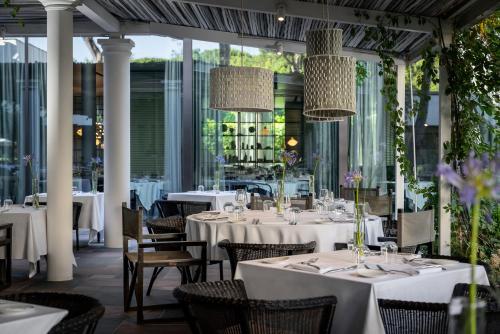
275	230
218	199
92	214
36	319
29	236
147	191
357	308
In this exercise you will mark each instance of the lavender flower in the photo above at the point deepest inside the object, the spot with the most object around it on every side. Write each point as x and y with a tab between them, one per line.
220	159
289	157
27	159
353	178
481	178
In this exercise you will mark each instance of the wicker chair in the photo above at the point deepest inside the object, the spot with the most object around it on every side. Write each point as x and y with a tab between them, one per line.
244	252
459	259
83	312
6	264
413	317
223	307
77	209
348	193
492	299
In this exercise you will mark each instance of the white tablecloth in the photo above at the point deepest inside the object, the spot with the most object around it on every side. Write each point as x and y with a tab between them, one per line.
274	230
357	308
92	215
217	200
29	237
148	191
37	321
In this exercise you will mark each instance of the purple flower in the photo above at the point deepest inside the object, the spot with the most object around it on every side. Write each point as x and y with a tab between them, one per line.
353	178
316	157
220	159
481	178
289	157
27	159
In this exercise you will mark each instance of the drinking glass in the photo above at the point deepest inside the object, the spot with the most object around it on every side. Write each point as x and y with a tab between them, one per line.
323	194
392	251
216	188
228	207
7	203
287	202
238	210
241	197
293	215
319	207
266	205
350	245
384	251
201	188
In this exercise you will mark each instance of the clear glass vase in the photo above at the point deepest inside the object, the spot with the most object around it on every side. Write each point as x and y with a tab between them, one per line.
216	186
280	198
312	189
461	321
359	228
95	179
34	188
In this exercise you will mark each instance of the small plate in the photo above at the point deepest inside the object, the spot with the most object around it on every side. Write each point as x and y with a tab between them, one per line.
15	309
233	220
211	212
274	260
370	273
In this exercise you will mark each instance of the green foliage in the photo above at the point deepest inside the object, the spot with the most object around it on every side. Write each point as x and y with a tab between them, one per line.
14	10
361	73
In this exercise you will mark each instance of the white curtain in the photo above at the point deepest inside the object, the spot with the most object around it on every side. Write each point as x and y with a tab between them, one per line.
367	140
173	112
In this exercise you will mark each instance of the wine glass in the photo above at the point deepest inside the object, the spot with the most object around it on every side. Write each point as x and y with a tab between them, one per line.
287	202
323	194
7	203
241	199
201	188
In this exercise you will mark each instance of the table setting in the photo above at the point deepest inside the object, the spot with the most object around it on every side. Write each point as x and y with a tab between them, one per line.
356	284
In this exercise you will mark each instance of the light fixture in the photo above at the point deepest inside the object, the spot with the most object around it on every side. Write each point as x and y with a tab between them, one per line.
426	125
323	119
242	89
292	142
329	78
280	12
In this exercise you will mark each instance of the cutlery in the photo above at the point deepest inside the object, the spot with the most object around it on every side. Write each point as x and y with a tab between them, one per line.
341	269
395	271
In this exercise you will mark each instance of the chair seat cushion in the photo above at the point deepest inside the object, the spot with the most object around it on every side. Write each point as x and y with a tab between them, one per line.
163	257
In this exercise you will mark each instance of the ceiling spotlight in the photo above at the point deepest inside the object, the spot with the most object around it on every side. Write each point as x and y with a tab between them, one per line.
280	12
279	49
426	125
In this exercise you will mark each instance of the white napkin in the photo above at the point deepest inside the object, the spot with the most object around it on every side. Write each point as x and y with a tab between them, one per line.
207	216
409	269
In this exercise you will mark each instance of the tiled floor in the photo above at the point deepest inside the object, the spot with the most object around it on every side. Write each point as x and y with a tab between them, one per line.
99	275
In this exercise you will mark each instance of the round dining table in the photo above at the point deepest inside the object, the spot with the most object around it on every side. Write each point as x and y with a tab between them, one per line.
325	229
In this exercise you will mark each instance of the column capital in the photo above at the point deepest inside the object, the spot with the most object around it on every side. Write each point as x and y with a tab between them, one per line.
59	4
116	46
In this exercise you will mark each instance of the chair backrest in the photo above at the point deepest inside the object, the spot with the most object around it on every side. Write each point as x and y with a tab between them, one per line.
413	317
131	224
244	252
380	205
77	210
190	208
256	202
415	228
349	193
168	208
303	203
223	307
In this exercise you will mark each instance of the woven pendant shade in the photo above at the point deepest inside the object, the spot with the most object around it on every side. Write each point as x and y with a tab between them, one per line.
329	79
242	89
323	119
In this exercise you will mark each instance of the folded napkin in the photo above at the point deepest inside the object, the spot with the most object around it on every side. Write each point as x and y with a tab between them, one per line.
318	267
207	216
409	269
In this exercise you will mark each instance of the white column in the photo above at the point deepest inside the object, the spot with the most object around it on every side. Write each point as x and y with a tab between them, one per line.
444	136
400	180
116	52
59	139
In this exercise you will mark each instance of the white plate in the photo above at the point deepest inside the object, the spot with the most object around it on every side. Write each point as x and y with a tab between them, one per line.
274	260
211	212
370	273
15	309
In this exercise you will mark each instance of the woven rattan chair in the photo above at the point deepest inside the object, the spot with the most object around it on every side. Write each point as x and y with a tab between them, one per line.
492	299
77	209
83	312
244	252
223	307
135	261
303	203
413	317
459	259
348	193
257	202
6	263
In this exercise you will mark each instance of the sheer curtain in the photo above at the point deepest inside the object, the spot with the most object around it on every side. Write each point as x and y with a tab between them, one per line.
367	135
323	139
173	112
207	126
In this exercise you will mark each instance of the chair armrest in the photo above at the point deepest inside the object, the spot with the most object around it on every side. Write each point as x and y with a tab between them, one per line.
164	236
172	243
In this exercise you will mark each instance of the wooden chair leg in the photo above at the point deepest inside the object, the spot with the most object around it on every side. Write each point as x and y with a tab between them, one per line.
132	287
77	240
139	292
126	286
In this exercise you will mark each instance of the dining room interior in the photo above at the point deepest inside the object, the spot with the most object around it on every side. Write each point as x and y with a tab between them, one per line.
251	166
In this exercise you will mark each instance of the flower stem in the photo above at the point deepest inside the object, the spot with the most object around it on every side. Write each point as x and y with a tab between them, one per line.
473	261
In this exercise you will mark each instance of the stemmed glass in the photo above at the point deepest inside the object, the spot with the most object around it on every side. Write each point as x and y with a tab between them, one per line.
241	199
323	194
287	202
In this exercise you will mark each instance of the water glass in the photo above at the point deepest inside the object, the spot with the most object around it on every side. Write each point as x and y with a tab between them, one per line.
238	210
287	202
216	188
7	204
266	205
292	216
201	188
323	194
241	197
384	252
392	251
350	245
228	208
